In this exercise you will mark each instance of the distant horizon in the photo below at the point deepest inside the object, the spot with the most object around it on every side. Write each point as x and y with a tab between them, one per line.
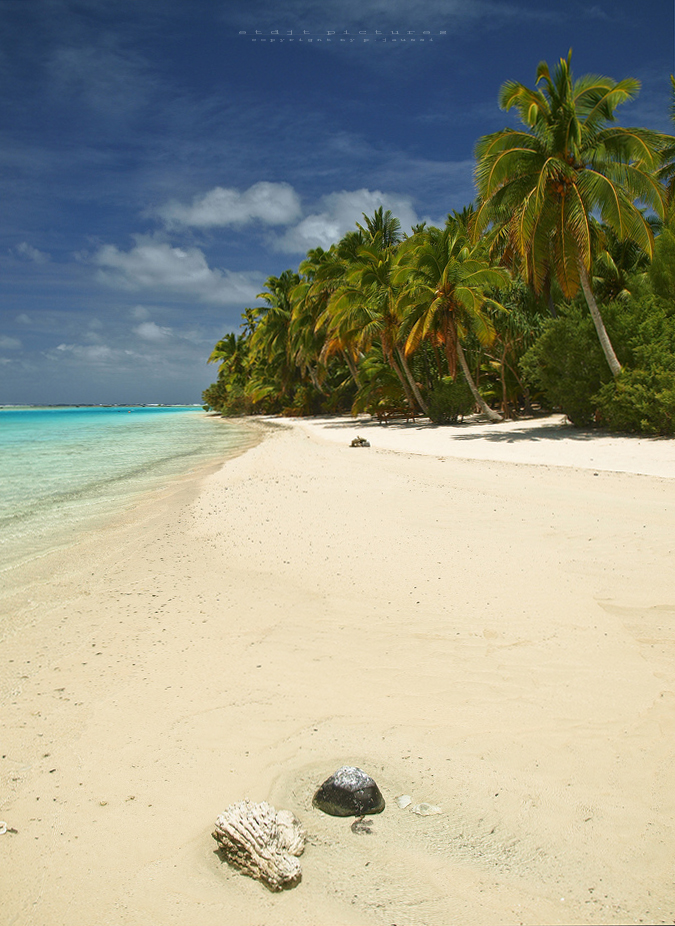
161	161
103	405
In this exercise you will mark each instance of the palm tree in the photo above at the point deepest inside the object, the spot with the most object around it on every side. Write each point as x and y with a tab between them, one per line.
326	273
364	307
543	185
617	265
228	353
367	308
383	226
446	279
231	354
308	302
272	364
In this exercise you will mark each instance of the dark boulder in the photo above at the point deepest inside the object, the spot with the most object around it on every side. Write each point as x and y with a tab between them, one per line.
349	793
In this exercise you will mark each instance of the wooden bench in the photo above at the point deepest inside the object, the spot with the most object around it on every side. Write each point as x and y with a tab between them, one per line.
385	415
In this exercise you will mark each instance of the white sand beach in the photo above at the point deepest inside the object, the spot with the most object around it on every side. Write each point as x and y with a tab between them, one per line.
481	617
547	441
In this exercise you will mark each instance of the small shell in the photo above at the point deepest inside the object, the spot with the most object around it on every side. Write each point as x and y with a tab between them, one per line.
3	827
425	810
403	800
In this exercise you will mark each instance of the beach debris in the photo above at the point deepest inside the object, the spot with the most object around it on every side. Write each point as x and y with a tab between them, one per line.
6	829
361	827
360	442
262	842
425	810
403	801
349	792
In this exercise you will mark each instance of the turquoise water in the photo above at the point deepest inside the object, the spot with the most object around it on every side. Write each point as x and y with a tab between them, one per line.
63	468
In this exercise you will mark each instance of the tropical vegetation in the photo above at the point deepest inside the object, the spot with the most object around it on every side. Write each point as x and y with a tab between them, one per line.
555	290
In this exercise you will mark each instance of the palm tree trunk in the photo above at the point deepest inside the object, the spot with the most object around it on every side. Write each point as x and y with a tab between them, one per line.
482	404
437	355
603	337
411	379
502	369
352	367
395	367
315	380
548	290
524	389
450	337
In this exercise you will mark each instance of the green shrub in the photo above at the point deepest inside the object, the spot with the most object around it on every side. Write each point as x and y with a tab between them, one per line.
229	401
639	401
567	364
449	401
642	399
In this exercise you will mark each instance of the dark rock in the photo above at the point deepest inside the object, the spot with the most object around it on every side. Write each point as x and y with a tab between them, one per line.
349	793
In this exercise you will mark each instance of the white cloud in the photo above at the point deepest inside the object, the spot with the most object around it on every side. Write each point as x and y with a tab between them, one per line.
272	203
149	331
153	265
9	343
339	214
23	319
98	354
30	253
140	313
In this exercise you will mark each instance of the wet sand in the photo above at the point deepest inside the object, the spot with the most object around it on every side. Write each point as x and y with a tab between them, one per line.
493	636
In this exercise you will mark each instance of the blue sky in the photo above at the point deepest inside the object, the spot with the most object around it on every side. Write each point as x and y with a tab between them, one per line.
159	160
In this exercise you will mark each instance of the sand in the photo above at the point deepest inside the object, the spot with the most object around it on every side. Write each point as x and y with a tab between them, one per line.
475	619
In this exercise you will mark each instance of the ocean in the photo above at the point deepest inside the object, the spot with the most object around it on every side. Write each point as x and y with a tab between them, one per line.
62	470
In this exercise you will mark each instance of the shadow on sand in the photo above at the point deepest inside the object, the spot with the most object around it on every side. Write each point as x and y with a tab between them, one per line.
474	430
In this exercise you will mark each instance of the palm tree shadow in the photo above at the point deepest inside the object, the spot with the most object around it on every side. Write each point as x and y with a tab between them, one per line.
547	434
471	430
532	435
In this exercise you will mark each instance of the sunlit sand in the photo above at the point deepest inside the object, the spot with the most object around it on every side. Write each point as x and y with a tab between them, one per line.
482	618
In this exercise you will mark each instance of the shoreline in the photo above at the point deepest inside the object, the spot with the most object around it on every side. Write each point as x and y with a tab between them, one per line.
17	572
490	637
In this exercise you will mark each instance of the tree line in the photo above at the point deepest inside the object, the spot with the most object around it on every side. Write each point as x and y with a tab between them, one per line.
555	289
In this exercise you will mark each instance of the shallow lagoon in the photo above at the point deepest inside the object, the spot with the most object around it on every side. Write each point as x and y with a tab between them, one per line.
62	469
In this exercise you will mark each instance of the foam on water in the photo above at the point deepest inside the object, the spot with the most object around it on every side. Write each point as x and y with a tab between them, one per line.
62	468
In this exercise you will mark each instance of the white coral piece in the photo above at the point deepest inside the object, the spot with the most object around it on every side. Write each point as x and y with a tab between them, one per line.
262	842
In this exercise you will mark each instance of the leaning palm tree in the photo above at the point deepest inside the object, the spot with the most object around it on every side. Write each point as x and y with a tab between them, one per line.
367	307
325	272
447	280
543	185
308	301
272	362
